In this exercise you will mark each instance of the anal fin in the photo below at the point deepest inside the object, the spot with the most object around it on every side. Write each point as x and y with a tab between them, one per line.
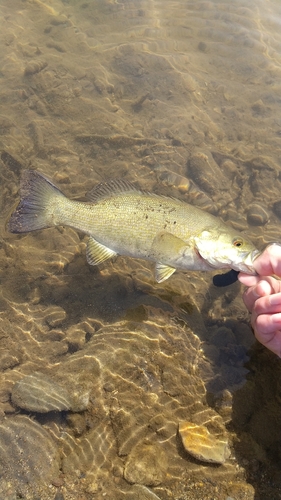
97	253
163	272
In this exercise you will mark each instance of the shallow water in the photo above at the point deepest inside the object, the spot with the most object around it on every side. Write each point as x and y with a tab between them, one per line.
181	98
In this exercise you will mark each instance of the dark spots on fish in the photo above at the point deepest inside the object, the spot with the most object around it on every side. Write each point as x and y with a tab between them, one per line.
165	225
226	279
146	216
175	221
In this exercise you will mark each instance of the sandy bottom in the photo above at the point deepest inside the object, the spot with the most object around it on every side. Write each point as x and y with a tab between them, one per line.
100	365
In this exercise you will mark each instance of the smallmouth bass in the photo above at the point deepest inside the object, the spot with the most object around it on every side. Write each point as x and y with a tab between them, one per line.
121	219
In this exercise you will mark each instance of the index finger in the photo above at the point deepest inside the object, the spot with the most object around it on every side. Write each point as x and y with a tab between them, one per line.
265	286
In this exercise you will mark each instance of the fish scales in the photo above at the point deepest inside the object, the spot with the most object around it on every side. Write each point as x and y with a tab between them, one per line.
132	222
120	219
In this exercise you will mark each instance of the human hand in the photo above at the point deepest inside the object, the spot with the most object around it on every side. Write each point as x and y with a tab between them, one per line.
263	298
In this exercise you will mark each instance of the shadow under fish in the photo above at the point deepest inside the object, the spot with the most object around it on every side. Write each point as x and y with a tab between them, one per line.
10	162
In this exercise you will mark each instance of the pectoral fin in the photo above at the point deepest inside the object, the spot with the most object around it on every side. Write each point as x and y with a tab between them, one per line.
163	272
165	245
97	253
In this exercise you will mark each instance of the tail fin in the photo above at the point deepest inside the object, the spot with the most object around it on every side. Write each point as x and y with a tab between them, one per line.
35	209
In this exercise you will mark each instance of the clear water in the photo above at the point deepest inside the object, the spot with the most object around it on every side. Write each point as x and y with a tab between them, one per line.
136	90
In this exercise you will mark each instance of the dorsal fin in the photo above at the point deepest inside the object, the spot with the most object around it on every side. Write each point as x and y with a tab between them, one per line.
107	189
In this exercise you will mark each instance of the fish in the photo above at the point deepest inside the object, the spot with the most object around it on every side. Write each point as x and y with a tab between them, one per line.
121	219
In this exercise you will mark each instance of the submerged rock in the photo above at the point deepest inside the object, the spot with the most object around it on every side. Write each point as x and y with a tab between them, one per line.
276	207
40	394
29	458
140	492
257	215
202	445
206	173
195	196
146	464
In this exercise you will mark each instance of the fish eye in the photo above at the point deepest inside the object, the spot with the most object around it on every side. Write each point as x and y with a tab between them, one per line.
238	242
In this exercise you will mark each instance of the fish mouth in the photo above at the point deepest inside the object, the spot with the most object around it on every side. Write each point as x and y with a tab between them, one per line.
255	254
246	266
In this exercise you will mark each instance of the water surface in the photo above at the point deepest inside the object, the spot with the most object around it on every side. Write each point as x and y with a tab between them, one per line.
140	90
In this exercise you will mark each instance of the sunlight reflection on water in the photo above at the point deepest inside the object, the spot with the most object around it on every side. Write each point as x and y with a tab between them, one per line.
140	90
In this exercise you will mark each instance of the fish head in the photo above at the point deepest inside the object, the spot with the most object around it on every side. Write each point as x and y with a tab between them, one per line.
227	249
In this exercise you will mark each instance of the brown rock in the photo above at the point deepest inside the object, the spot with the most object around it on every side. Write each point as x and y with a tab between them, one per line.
257	215
146	464
202	445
